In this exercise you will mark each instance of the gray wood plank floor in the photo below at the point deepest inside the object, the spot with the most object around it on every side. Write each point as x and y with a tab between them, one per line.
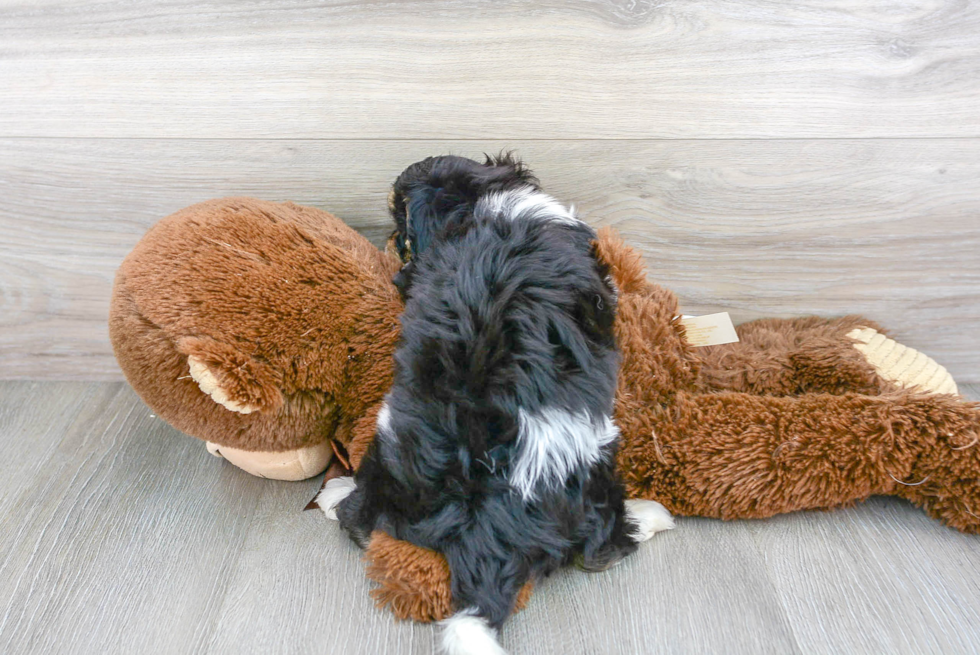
119	535
769	158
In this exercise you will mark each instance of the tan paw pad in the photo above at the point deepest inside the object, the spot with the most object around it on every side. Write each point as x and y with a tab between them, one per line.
900	364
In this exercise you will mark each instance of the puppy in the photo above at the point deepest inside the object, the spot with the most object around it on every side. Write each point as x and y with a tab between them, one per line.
495	445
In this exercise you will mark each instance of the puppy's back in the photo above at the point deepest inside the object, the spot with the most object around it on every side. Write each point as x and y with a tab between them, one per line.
508	332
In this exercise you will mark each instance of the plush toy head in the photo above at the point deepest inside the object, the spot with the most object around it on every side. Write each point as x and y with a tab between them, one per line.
265	329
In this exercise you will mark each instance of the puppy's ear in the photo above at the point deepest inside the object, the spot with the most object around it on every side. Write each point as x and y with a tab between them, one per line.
595	307
410	206
427	209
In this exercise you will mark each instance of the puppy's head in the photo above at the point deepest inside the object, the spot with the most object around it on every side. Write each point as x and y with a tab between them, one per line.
439	192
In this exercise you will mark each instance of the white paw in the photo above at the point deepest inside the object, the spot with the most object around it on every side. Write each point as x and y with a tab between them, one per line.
333	492
209	385
650	517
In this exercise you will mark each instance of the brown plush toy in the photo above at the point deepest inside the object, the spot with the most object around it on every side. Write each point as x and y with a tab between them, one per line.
268	331
284	318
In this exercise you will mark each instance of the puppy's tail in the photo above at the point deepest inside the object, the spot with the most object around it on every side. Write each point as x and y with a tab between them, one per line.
486	579
467	633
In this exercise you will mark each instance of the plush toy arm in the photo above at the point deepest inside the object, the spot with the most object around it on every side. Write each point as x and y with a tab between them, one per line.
736	455
816	355
733	455
414	582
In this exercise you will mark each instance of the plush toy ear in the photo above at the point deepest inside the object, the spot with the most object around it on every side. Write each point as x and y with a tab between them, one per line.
231	378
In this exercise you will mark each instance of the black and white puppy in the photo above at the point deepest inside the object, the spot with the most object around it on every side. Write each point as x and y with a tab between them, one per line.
495	446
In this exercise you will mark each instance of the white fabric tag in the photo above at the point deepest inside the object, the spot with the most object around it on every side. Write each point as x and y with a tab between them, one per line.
709	330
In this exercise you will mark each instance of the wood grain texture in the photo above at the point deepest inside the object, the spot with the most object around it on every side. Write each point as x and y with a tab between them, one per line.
512	69
33	420
299	587
886	228
695	589
122	541
120	535
881	577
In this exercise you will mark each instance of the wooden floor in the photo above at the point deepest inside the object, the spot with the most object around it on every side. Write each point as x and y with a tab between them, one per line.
768	158
119	535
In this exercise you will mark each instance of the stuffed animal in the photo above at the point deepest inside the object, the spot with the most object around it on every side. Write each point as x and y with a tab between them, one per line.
267	330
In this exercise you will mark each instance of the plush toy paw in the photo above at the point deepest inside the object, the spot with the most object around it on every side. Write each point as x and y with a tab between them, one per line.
292	465
650	518
900	364
334	491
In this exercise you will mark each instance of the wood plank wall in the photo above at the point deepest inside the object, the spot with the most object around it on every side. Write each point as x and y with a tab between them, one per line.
770	159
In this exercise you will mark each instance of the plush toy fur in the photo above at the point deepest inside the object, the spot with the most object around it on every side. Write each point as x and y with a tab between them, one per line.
281	311
285	317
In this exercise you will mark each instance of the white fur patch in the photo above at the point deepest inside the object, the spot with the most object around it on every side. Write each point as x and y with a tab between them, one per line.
465	633
383	424
650	517
555	442
333	492
525	203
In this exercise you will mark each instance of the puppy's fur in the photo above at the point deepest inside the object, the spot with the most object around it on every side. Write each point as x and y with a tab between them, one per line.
495	446
437	196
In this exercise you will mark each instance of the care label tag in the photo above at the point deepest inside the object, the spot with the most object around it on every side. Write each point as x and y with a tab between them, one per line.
709	330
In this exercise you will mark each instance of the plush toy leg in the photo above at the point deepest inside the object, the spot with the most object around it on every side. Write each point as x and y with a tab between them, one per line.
900	364
785	357
815	355
298	464
733	455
